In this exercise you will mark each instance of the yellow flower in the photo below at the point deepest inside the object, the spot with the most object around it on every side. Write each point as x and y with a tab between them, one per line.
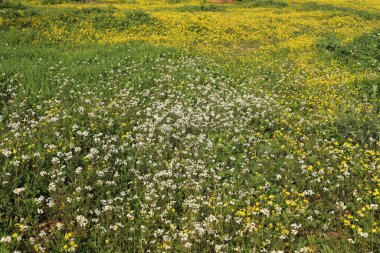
164	245
240	213
68	236
285	232
73	244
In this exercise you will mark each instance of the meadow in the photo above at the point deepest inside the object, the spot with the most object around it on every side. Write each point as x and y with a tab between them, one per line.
189	126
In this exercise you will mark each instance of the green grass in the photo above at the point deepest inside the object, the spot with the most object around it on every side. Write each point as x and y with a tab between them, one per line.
96	62
313	6
265	3
203	7
362	52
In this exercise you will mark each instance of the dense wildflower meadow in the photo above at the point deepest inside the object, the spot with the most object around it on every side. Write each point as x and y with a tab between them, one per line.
189	126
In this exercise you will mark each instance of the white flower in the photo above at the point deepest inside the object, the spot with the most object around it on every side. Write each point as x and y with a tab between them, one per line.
55	160
50	202
6	239
18	190
78	170
59	225
6	152
82	220
52	187
80	109
340	205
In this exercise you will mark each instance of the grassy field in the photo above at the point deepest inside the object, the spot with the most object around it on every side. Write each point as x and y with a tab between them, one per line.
187	126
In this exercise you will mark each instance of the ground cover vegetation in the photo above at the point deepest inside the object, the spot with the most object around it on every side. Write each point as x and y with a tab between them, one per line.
189	126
